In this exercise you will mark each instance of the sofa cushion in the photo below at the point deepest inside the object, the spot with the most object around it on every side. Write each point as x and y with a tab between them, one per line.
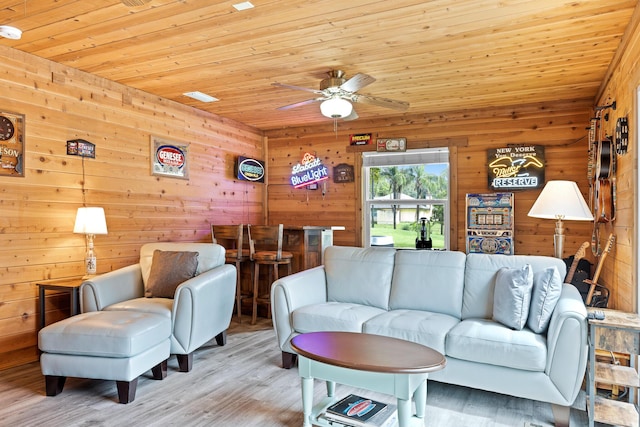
512	296
547	287
486	341
423	327
359	275
480	278
169	269
332	316
428	281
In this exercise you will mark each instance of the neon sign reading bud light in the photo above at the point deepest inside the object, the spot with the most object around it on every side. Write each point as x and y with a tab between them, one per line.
310	170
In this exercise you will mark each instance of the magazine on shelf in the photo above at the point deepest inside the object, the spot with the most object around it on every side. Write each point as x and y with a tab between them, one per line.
358	411
386	418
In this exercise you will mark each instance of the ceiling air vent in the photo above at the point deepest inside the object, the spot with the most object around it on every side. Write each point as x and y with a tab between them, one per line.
134	3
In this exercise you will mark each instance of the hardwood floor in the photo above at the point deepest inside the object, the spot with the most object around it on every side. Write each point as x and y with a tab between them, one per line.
238	385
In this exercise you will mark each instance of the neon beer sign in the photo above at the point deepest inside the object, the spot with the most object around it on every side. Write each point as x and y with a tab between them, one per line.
309	171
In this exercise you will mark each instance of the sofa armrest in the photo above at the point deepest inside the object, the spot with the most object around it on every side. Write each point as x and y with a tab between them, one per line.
203	306
110	288
567	343
292	292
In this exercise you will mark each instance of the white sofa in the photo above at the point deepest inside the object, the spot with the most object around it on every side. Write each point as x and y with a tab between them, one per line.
200	309
442	299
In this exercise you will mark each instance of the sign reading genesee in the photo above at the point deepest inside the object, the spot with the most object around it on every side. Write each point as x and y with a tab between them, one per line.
516	167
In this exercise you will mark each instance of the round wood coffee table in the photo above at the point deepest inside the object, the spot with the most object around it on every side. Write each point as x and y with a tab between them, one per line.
374	362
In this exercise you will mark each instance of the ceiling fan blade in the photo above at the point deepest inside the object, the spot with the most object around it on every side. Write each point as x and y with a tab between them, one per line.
297	88
351	116
300	104
357	82
381	102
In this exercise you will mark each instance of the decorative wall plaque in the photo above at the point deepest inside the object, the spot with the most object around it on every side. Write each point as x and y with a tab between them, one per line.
169	158
82	148
360	139
11	144
392	144
343	173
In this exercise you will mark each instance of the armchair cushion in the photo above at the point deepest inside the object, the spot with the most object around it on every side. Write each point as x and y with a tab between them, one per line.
210	255
168	270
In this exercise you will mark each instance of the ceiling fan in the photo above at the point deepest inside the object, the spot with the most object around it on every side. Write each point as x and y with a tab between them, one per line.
337	93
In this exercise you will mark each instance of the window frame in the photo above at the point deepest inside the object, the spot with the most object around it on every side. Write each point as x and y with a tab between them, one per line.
439	155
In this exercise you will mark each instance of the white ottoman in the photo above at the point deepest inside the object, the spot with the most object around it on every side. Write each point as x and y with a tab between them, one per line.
108	345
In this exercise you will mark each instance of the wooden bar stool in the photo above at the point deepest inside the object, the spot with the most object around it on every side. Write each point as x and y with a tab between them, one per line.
235	242
265	243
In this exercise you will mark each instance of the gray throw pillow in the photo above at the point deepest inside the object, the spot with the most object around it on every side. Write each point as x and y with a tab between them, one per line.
547	286
512	296
169	269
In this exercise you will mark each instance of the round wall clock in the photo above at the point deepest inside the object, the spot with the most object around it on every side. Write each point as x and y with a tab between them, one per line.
6	128
622	135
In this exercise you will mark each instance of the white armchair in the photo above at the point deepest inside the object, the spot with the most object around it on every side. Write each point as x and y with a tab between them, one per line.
200	310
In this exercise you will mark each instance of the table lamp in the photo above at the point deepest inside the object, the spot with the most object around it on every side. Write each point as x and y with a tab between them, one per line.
90	221
560	200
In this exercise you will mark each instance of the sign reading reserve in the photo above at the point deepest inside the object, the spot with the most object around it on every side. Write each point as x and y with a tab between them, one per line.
516	167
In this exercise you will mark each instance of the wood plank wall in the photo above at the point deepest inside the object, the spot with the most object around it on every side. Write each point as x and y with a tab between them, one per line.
61	103
623	79
38	211
560	127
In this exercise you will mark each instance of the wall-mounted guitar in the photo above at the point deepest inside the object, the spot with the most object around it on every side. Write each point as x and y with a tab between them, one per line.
605	176
593	282
602	176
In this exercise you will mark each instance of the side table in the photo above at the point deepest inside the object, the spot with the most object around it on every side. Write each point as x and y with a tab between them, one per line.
72	287
617	332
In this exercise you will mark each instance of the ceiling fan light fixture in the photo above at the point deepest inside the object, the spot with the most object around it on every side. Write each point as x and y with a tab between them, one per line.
336	108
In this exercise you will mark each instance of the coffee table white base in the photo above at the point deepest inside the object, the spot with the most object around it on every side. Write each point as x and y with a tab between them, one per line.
407	388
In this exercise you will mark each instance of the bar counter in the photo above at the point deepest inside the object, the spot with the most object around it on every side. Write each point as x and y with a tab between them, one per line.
307	243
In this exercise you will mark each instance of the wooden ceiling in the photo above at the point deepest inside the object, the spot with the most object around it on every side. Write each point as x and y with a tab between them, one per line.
439	55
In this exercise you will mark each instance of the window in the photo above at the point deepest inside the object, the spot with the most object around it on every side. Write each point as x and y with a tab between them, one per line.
406	198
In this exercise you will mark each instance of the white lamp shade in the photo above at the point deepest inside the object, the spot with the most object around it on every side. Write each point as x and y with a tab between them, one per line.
90	221
561	200
336	108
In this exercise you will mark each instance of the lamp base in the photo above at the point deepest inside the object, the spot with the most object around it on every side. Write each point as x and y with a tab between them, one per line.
90	264
90	259
558	240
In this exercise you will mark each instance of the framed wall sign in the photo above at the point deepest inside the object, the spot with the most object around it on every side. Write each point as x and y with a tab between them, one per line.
360	139
391	144
248	169
82	148
343	173
516	167
11	144
169	158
